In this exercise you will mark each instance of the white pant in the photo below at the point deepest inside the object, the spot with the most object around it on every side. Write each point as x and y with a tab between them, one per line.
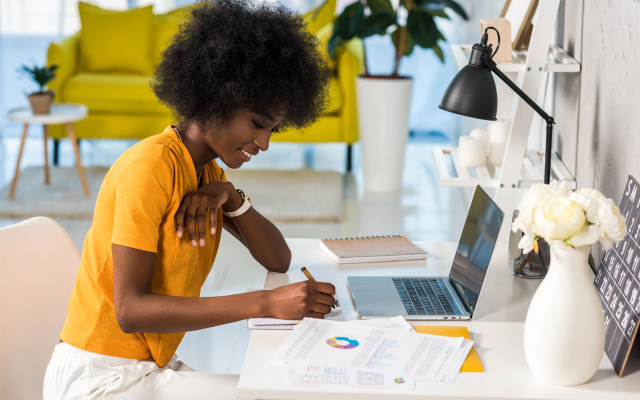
77	374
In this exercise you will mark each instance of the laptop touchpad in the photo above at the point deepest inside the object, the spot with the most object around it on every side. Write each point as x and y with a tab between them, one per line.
380	301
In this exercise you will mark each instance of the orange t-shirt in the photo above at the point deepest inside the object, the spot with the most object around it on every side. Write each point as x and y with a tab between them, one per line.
135	208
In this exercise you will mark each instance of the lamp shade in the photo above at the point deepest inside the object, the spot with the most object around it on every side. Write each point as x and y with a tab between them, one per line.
472	92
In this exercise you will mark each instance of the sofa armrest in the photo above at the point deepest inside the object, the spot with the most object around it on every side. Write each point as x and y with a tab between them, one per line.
65	55
350	65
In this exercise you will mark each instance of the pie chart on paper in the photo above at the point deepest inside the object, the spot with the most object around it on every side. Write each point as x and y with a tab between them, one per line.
342	342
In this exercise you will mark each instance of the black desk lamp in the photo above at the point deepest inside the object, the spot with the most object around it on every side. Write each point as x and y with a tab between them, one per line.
472	92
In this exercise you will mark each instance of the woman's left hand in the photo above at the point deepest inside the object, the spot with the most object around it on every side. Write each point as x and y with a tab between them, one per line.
196	205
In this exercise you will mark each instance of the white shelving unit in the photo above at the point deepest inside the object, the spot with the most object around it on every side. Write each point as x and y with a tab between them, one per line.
532	171
558	60
527	70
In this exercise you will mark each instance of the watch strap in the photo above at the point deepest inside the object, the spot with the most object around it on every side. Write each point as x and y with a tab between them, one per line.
246	205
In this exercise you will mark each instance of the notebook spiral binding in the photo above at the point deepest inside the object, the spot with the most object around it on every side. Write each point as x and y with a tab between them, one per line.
365	237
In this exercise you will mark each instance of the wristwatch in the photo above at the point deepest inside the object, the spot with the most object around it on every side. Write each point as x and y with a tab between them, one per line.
243	208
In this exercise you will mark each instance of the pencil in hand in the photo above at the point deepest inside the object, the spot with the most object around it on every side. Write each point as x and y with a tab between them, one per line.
306	273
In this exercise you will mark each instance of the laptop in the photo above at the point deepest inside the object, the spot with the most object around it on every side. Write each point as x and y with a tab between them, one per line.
437	297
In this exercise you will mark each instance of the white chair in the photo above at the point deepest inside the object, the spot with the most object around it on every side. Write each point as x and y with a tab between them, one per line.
38	265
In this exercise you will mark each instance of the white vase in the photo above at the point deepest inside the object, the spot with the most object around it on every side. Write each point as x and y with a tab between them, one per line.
564	330
383	116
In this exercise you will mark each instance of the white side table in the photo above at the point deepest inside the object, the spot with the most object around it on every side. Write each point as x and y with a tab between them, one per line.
61	113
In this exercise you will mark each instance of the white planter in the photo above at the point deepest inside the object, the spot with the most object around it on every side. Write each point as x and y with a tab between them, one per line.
564	331
383	116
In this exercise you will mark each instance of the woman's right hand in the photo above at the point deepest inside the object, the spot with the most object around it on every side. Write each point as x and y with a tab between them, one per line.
301	300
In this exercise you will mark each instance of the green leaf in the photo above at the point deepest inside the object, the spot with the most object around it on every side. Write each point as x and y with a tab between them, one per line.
438	51
436	12
41	76
333	46
408	48
454	6
441	36
380	5
422	27
457	8
376	23
347	23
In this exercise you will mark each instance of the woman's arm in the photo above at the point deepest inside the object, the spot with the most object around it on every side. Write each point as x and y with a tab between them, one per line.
264	241
138	309
258	234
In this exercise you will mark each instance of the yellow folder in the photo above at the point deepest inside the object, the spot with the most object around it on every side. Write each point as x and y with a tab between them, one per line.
472	362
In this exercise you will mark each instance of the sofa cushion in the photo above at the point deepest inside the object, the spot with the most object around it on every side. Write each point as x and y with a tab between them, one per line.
318	17
113	93
115	40
324	35
164	27
131	94
336	96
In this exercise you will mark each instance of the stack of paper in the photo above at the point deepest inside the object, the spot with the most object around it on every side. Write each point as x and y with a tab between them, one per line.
380	353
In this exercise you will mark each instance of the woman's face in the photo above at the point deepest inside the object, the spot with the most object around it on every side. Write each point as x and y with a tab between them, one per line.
244	136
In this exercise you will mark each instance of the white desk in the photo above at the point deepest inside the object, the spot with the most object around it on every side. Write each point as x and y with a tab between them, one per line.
497	330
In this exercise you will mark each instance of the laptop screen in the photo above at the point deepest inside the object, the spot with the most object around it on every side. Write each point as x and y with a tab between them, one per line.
475	248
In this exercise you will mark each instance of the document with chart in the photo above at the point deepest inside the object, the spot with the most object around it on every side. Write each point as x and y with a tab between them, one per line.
364	348
309	375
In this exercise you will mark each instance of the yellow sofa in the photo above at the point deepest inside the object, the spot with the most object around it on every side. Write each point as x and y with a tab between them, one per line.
122	105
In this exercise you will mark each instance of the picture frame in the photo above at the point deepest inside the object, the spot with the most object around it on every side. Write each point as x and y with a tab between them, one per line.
519	13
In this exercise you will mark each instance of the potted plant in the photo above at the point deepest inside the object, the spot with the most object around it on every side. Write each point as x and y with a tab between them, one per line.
383	100
42	99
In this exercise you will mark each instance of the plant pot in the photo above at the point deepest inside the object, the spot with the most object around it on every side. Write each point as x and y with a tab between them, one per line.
564	331
41	102
383	116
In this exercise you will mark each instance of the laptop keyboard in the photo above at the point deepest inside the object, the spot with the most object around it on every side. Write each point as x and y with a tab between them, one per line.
423	296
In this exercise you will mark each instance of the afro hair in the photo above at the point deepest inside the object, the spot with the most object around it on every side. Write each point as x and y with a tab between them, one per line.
233	54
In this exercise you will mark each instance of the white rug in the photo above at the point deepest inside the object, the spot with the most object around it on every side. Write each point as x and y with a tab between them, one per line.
281	196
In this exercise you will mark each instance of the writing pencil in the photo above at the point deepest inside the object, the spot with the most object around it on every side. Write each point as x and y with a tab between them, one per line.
306	273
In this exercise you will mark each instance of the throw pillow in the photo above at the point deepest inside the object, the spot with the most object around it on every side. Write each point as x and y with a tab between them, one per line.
115	40
320	16
164	27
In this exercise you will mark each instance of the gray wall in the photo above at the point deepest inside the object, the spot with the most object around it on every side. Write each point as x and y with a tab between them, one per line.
598	110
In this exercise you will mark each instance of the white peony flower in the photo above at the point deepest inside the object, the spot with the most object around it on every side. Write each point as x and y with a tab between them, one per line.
587	199
558	218
528	206
611	222
588	235
578	218
588	204
590	193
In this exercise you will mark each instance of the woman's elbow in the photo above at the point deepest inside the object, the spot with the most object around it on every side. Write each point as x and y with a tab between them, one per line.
124	318
280	265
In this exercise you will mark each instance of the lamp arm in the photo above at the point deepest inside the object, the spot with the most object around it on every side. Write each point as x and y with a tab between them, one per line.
549	119
492	66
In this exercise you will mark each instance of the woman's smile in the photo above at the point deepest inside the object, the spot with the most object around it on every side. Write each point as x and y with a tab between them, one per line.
246	156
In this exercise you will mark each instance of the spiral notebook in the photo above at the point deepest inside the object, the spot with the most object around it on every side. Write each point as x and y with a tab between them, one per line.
371	249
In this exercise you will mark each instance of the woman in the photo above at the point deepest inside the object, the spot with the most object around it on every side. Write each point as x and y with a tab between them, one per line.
234	74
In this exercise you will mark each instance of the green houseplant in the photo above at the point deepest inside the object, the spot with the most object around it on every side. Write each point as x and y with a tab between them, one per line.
384	100
378	17
42	99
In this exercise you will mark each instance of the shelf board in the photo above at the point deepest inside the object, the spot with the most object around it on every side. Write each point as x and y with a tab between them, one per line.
558	60
489	176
